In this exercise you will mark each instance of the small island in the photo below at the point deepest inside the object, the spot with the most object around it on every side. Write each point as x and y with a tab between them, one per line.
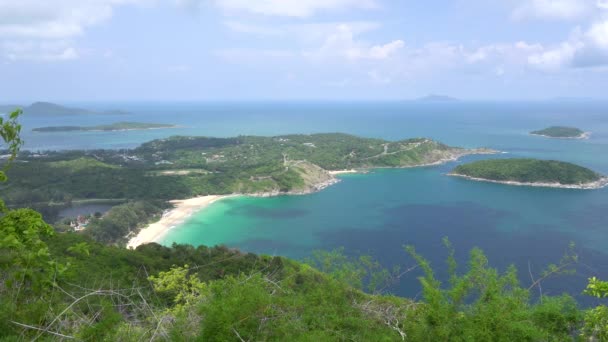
562	132
532	172
118	126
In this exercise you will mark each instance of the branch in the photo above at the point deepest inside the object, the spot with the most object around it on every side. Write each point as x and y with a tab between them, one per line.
556	270
238	335
540	289
43	330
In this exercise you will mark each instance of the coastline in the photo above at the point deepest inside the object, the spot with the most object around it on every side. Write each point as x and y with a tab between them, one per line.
345	172
584	136
599	184
130	129
109	130
182	210
186	208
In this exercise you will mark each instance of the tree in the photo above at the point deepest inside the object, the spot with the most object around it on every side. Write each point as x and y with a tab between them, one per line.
26	266
596	319
9	131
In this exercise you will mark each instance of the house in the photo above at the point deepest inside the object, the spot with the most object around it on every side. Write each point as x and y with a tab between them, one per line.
80	224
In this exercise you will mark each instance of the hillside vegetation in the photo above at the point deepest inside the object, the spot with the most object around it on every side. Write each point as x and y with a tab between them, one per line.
87	291
528	171
183	167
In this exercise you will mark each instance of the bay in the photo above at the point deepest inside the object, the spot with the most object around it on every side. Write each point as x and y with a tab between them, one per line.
378	213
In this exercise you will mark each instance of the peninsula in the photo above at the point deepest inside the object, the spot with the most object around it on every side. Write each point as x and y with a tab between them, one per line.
118	126
562	132
532	172
189	167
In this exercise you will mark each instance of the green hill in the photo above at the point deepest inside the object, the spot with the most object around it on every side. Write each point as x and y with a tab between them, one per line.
82	290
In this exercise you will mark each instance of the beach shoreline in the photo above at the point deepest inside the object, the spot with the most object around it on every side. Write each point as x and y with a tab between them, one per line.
344	172
599	184
183	210
186	208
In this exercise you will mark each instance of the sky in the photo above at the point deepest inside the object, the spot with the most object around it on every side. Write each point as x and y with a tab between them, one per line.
197	50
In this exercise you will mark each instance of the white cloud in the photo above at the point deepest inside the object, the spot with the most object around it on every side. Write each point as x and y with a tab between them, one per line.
386	50
40	25
554	9
292	8
583	49
342	43
598	34
38	51
554	59
310	32
54	19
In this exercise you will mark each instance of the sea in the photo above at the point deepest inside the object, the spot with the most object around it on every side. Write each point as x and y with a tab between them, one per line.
379	213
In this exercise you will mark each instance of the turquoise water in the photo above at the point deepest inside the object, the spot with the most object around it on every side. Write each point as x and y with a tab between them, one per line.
378	213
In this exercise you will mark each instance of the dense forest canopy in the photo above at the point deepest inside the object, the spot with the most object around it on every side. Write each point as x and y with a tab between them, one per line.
528	171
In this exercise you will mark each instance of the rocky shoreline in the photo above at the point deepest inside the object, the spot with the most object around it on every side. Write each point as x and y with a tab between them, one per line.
601	183
333	173
584	136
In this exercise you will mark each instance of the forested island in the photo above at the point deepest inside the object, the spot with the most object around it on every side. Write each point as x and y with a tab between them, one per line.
532	172
185	167
118	126
561	132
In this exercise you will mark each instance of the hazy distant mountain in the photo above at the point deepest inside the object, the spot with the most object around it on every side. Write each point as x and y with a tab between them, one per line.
52	109
437	98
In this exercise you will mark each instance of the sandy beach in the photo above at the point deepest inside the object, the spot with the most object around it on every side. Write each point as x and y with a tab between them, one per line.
342	172
183	209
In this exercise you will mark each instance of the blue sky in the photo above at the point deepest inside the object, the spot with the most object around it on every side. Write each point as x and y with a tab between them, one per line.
117	50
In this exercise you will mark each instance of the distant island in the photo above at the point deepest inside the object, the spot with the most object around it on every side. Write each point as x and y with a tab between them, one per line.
532	172
52	109
562	132
118	126
437	98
